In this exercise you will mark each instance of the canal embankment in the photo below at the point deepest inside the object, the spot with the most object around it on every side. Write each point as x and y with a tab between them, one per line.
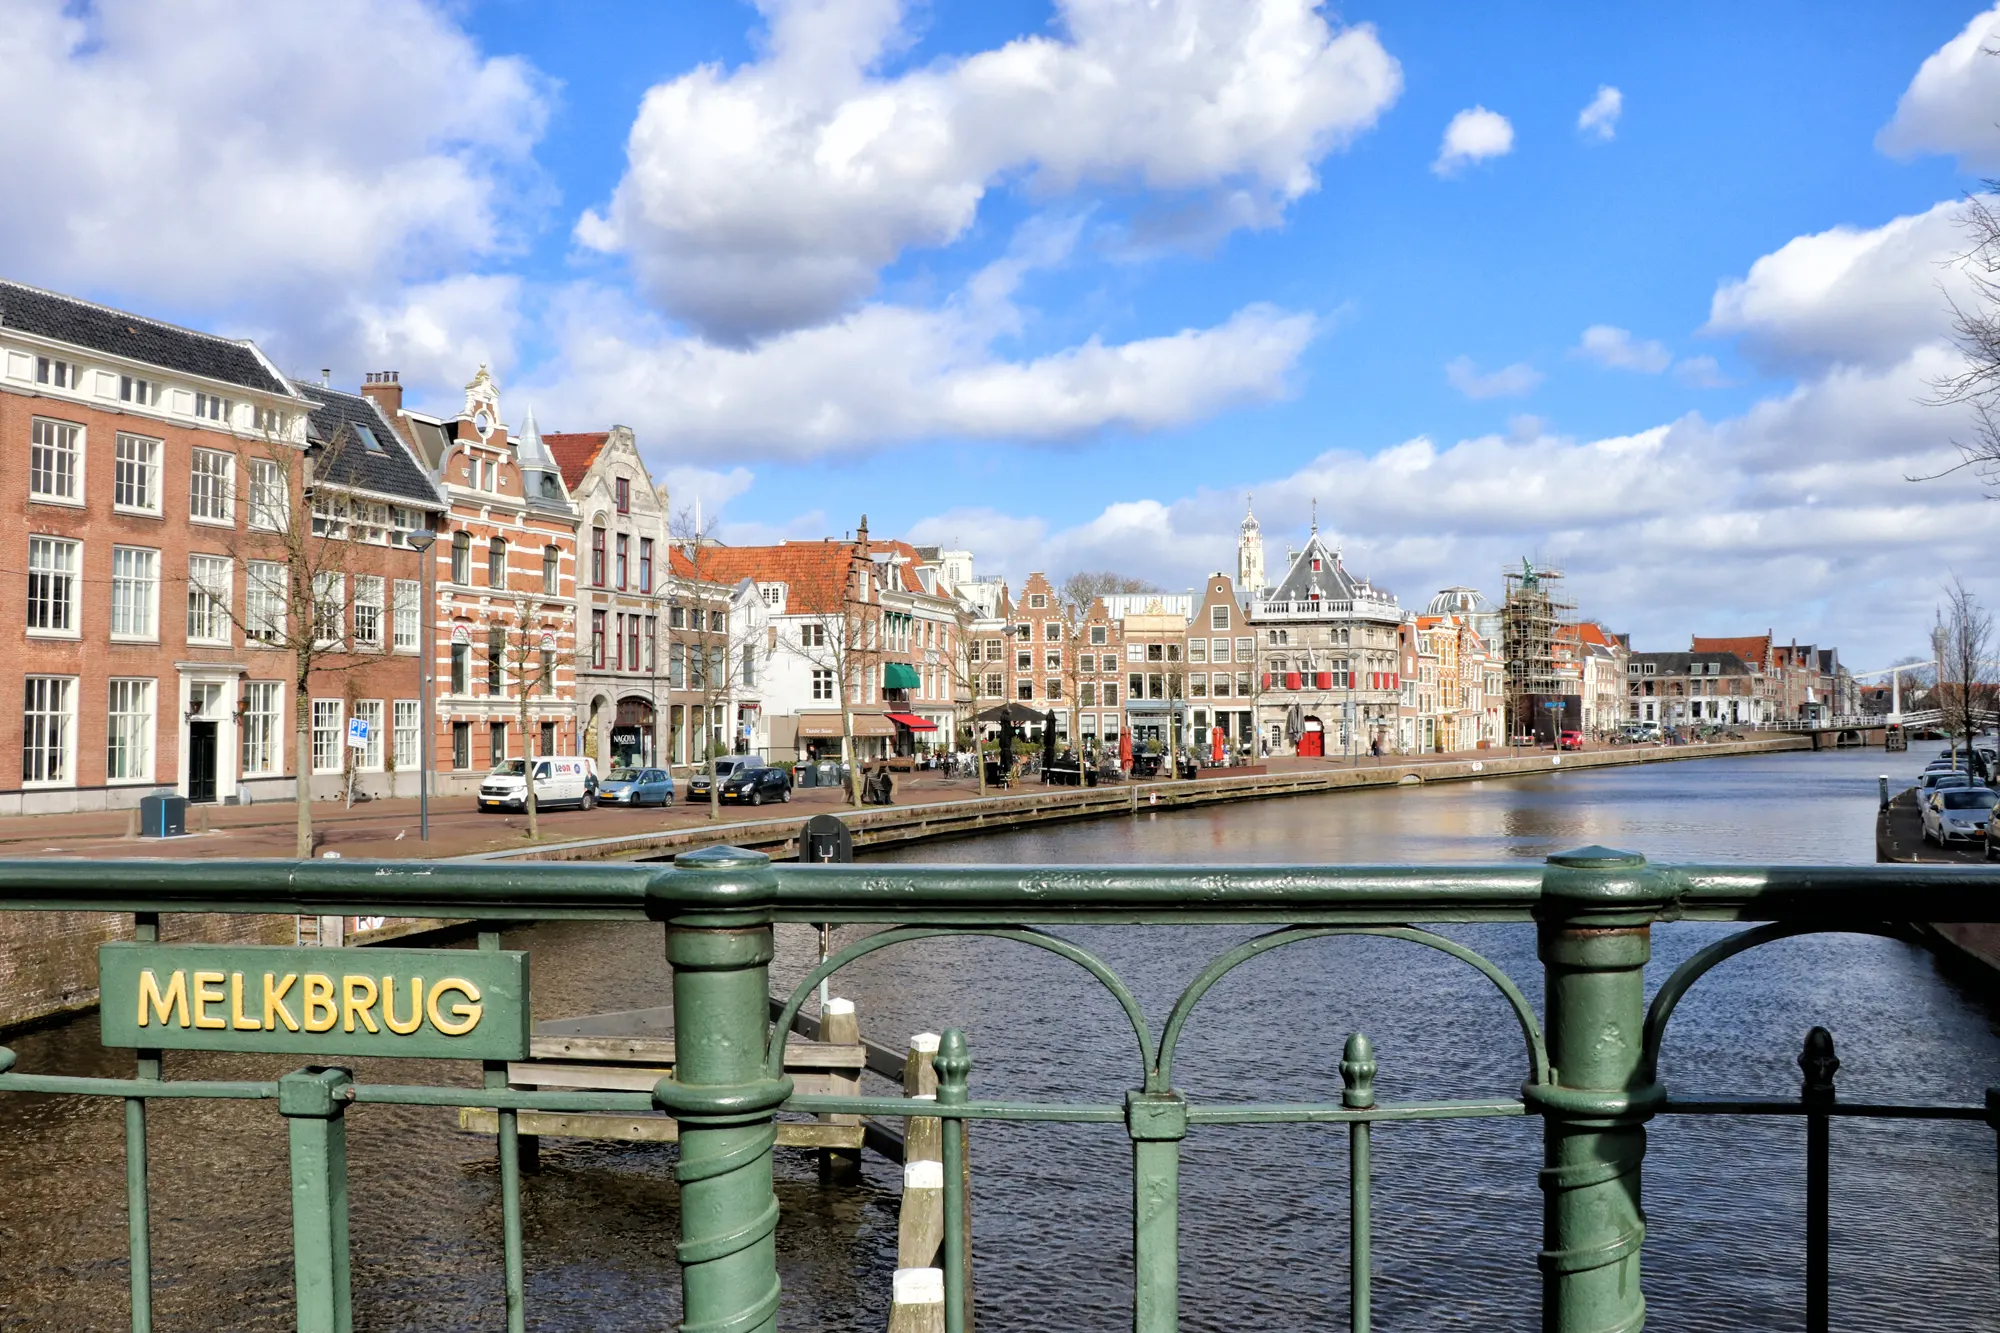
1899	837
969	816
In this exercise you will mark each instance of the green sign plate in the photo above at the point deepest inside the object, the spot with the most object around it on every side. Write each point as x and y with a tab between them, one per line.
451	1004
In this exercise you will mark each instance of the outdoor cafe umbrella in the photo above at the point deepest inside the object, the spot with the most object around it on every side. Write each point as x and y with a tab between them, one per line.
1125	750
1048	742
1006	747
1215	749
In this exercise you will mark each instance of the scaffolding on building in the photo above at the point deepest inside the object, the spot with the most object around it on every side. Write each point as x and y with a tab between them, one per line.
1538	637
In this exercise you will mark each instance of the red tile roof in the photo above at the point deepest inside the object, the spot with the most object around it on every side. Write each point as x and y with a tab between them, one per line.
575	453
1754	649
814	573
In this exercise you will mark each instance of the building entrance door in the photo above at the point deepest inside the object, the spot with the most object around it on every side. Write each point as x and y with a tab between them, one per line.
201	761
1312	741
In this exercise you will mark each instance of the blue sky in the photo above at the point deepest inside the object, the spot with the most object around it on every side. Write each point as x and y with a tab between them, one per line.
1063	282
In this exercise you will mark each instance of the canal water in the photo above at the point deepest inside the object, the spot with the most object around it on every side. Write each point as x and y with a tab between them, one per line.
1263	1210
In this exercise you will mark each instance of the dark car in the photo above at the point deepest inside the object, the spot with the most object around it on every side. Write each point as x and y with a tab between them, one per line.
724	767
754	786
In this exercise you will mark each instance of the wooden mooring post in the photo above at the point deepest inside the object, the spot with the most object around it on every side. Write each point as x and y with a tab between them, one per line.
917	1298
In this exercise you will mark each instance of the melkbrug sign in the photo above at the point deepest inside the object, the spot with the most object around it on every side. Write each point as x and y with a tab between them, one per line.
454	1004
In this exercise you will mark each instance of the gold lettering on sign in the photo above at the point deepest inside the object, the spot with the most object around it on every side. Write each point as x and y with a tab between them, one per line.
467	1014
319	1000
403	1029
350	1006
274	1002
152	1003
237	1018
204	996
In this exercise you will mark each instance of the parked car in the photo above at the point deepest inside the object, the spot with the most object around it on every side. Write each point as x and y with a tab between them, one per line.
724	766
559	780
1938	779
756	785
1571	740
637	786
1642	731
1958	812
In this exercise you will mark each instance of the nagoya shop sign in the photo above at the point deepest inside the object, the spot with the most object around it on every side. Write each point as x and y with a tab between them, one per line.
453	1004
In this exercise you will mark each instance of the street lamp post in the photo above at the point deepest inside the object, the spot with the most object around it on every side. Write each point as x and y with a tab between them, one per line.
421	543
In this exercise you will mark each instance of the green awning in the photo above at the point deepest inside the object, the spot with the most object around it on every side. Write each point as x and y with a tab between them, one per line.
900	676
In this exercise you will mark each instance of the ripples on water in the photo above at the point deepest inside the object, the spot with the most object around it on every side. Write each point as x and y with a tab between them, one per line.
1263	1211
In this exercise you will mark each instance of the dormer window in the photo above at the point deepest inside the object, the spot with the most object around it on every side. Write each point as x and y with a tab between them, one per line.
622	489
141	393
271	421
1315	564
55	374
211	408
488	476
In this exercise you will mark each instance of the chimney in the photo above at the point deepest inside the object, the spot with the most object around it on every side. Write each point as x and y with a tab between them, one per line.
385	388
326	377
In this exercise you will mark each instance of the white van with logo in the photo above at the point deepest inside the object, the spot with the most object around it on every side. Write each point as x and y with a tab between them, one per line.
559	780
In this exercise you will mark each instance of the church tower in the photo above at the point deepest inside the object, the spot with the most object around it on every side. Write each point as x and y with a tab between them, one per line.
1250	553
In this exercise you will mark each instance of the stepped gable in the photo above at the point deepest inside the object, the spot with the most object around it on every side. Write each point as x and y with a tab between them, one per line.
134	337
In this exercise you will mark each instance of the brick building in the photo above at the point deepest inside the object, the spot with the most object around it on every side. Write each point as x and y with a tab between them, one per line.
504	567
163	468
1222	683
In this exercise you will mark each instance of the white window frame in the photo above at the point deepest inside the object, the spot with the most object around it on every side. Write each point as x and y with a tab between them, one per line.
270	495
370	608
822	684
135	594
407	629
55	372
56	441
1218	617
132	706
135	465
407	737
209	600
207	503
213	407
329	741
265	592
375	713
329	596
134	389
67	568
263	743
48	729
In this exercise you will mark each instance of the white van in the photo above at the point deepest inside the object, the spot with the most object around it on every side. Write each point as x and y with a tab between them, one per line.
559	780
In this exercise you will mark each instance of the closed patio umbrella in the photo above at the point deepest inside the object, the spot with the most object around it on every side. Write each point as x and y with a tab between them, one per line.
1295	723
1215	746
1048	743
1006	747
1125	750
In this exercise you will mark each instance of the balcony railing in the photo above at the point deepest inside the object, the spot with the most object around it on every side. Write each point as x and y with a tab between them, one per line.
1590	1060
1307	609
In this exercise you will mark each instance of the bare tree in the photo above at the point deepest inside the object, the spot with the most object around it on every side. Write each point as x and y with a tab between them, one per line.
836	641
1975	327
1086	586
295	550
965	667
1964	639
711	642
530	657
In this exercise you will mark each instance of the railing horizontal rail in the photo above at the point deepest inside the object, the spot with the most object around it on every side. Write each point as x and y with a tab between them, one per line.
1835	1110
966	895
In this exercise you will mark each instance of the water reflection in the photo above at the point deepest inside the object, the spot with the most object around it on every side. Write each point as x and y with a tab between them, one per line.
1264	1210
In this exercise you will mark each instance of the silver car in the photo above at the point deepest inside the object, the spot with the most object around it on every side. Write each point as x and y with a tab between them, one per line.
1958	813
1938	779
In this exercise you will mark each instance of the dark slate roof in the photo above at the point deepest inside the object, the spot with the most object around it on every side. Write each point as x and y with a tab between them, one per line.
345	459
1330	581
115	333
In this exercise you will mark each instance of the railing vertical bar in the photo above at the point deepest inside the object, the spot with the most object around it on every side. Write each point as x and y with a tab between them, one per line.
1357	1076
953	1065
138	1205
509	1140
1818	1064
1157	1122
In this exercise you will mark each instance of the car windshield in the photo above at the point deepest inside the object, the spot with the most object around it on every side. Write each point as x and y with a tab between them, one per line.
626	775
1948	780
1972	798
508	768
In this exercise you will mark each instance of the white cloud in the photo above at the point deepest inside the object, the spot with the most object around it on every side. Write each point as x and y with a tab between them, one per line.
1599	120
889	374
434	332
204	152
1950	106
1507	382
1701	372
1474	135
768	198
1613	347
1849	294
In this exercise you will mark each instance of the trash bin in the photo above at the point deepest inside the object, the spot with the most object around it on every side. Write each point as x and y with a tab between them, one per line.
806	775
162	816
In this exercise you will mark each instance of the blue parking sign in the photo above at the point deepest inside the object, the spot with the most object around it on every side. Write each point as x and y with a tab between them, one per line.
357	732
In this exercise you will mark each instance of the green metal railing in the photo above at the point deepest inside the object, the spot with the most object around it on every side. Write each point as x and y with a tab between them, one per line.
1590	1066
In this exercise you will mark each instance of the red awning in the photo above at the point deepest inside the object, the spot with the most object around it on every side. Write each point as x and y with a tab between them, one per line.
912	721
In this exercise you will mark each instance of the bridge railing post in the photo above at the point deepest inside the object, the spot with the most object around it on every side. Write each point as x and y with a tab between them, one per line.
1595	938
314	1104
720	945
